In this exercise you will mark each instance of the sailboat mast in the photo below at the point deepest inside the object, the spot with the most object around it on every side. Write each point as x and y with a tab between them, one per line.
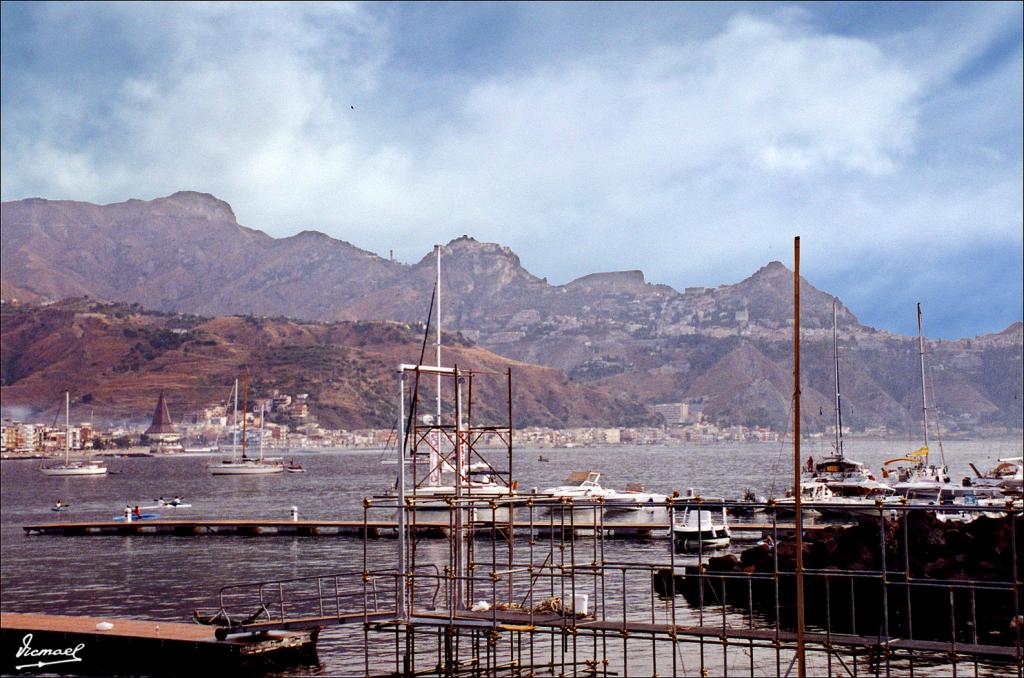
234	425
245	408
262	409
839	400
67	427
924	391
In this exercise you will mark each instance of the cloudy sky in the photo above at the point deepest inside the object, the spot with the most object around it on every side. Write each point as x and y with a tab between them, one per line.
690	141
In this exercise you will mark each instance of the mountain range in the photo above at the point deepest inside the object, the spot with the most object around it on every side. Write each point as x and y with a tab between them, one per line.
637	343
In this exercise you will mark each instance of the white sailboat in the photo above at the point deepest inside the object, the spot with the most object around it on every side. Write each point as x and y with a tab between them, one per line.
852	490
919	476
475	483
246	466
73	468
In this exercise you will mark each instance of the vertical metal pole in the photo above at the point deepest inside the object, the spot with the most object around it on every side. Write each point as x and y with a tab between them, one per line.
801	664
401	495
435	452
924	393
459	487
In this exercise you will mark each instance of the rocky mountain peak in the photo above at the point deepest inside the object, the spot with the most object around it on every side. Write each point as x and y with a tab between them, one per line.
612	280
196	205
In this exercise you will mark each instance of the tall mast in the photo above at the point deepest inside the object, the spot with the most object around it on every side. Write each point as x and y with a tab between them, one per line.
839	400
261	431
435	456
67	427
924	391
234	425
245	408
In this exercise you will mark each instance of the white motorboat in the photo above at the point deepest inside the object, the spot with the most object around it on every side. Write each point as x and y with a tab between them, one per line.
698	530
87	467
636	505
580	485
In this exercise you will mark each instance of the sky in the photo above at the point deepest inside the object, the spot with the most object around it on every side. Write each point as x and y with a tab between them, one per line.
691	141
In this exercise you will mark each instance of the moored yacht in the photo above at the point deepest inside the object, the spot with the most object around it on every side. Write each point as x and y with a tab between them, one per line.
87	467
246	466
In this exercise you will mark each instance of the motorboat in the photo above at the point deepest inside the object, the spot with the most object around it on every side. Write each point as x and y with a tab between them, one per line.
811	492
636	505
698	530
1007	474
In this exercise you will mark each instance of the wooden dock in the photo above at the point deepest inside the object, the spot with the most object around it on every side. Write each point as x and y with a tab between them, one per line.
370	529
114	645
766	637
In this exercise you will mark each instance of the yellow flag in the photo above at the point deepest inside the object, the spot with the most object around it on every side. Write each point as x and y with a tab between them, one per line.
923	452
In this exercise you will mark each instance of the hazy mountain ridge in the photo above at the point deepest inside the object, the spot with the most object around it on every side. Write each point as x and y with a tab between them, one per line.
115	358
730	345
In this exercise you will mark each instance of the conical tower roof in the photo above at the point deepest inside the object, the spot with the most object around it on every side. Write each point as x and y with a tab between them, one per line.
161	419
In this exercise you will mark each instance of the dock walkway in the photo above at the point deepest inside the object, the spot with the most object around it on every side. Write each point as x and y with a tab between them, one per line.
359	528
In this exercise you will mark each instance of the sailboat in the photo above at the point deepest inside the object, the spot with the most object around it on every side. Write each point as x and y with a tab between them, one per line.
919	479
246	466
73	468
476	481
851	487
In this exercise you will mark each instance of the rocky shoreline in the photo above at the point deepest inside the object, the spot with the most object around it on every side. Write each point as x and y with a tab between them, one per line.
964	579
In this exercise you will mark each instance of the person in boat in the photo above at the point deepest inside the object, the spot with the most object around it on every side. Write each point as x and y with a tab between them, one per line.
161	501
59	504
176	500
136	512
810	464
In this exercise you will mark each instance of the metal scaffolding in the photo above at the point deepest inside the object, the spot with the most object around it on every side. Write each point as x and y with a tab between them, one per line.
523	584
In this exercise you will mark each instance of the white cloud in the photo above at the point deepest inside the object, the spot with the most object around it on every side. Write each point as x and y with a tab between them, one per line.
690	159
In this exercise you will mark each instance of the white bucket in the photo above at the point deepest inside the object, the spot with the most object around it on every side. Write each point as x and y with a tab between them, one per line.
580	604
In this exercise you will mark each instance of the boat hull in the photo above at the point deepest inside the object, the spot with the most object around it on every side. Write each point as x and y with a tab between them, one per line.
74	471
244	469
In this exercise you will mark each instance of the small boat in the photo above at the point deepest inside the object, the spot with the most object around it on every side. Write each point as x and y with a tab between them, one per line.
1007	474
133	518
748	507
175	503
698	531
542	458
61	507
294	467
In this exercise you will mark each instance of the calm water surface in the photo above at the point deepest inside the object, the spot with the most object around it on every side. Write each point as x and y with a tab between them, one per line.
166	577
